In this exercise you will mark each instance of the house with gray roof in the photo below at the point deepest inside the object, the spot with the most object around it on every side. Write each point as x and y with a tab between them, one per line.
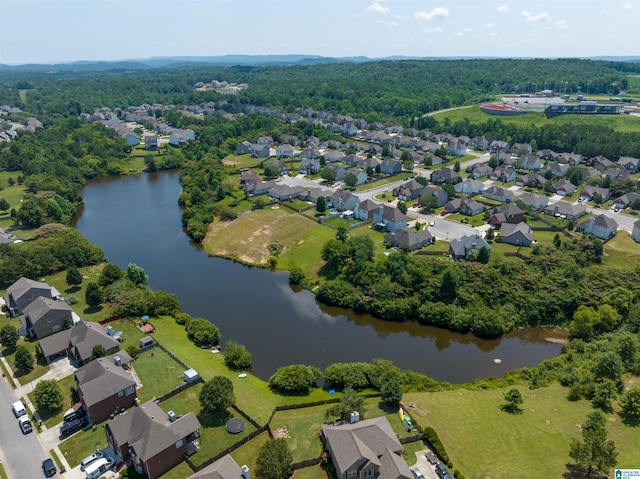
469	187
181	137
498	193
589	193
471	207
151	440
368	448
601	226
343	200
106	386
533	180
365	209
24	291
389	218
518	234
481	169
566	209
564	187
530	162
255	188
391	167
44	316
309	166
243	148
310	153
78	342
535	202
223	468
438	193
629	163
625	200
408	238
285	151
408	191
285	192
509	213
635	233
445	175
260	151
460	248
504	174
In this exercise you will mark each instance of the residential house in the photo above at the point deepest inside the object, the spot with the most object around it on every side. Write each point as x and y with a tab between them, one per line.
312	194
151	142
391	167
454	205
460	248
265	140
292	140
43	317
558	170
504	174
509	213
565	209
535	202
480	170
625	201
570	158
601	226
150	440
588	173
471	207
365	449
530	162
628	163
243	148
498	193
438	193
361	176
547	155
350	159
285	192
433	160
255	188
180	138
366	163
78	342
600	162
395	153
285	151
635	233
457	148
343	200
469	187
223	468
365	210
106	386
389	218
519	148
279	165
310	153
24	291
339	170
519	234
564	187
479	143
408	191
312	142
333	156
249	176
445	175
589	193
408	238
617	173
531	180
260	151
309	166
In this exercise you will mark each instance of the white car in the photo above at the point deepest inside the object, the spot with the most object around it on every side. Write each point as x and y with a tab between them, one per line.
416	473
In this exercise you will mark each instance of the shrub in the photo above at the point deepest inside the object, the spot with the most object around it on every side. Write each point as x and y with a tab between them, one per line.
236	356
182	318
296	276
202	332
434	441
296	378
133	350
48	395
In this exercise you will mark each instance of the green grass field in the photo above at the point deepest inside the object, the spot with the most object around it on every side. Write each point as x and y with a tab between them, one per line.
80	445
158	373
25	377
474	115
248	453
13	194
241	161
621	251
54	417
483	441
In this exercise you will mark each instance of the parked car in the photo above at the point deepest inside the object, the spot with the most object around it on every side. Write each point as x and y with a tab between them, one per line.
444	213
18	409
431	457
74	414
416	473
48	467
89	459
25	424
442	471
70	427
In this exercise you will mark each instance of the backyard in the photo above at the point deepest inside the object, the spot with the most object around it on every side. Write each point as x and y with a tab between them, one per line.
158	373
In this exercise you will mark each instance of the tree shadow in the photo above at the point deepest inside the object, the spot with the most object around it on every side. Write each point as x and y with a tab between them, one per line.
577	471
215	419
18	373
73	289
329	272
92	309
628	420
511	409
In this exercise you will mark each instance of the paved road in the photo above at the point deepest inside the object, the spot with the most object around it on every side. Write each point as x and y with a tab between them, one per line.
22	454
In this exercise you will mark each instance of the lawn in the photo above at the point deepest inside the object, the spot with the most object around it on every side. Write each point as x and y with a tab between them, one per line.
80	445
313	472
39	369
13	194
248	453
158	373
483	441
620	251
3	473
242	161
214	438
389	179
53	417
476	220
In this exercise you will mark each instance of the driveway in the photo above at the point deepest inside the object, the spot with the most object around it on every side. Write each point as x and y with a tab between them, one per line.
428	470
58	369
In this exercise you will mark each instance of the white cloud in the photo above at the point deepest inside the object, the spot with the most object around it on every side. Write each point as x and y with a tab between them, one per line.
393	24
489	25
561	24
438	12
530	17
377	8
466	30
458	34
627	6
432	30
502	9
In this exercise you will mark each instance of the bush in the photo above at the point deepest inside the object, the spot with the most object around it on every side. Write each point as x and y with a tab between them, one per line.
48	395
182	318
296	276
23	359
202	332
434	441
133	350
295	378
236	356
458	475
9	336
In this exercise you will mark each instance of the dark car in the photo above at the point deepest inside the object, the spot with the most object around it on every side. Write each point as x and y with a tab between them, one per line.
70	427
48	467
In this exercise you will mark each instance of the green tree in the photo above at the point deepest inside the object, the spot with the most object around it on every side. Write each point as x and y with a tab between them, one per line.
217	395
391	391
349	402
595	454
136	274
98	351
402	207
609	366
48	395
30	214
295	378
4	204
321	204
236	356
109	275
483	255
93	295
328	174
342	234
631	404
428	202
296	275
456	167
23	359
9	336
493	162
271	171
74	276
603	393
584	323
351	180
609	317
274	460
513	399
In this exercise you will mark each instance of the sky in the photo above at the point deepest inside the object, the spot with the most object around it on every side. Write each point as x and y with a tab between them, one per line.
54	31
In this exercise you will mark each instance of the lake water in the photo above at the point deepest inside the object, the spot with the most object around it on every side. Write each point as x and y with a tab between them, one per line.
136	219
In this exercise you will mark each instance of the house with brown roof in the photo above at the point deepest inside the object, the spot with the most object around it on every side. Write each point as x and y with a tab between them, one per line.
365	449
24	291
152	440
518	234
408	238
223	468
601	226
106	386
248	176
44	316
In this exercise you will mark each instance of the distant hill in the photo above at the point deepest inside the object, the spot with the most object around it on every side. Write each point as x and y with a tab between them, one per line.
233	60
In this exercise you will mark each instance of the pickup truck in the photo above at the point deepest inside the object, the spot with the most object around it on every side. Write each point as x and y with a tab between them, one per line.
25	425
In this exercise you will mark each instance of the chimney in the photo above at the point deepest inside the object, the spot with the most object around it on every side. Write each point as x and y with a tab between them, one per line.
246	473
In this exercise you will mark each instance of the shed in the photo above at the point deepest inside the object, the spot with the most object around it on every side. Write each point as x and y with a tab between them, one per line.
190	375
146	342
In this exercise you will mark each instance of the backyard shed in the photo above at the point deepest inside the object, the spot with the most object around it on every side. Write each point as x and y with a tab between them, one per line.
146	342
190	375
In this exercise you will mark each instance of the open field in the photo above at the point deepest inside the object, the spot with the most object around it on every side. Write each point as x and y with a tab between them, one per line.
158	373
620	251
474	115
483	441
242	161
13	194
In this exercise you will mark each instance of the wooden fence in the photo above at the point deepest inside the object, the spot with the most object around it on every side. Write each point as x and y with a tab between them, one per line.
178	390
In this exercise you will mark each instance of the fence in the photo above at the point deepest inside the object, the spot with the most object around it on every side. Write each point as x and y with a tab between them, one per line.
408	439
178	390
308	463
246	416
173	356
112	318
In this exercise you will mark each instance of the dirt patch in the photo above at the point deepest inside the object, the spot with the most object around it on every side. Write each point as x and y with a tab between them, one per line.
282	433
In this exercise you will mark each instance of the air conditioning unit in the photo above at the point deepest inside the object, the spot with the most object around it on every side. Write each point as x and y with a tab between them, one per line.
172	416
117	360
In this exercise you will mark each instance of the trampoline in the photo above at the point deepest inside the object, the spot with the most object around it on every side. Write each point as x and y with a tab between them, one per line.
235	425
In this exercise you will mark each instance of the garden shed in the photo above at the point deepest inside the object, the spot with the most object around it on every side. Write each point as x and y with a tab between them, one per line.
190	375
146	342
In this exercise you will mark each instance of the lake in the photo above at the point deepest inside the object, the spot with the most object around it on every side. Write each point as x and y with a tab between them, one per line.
136	219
